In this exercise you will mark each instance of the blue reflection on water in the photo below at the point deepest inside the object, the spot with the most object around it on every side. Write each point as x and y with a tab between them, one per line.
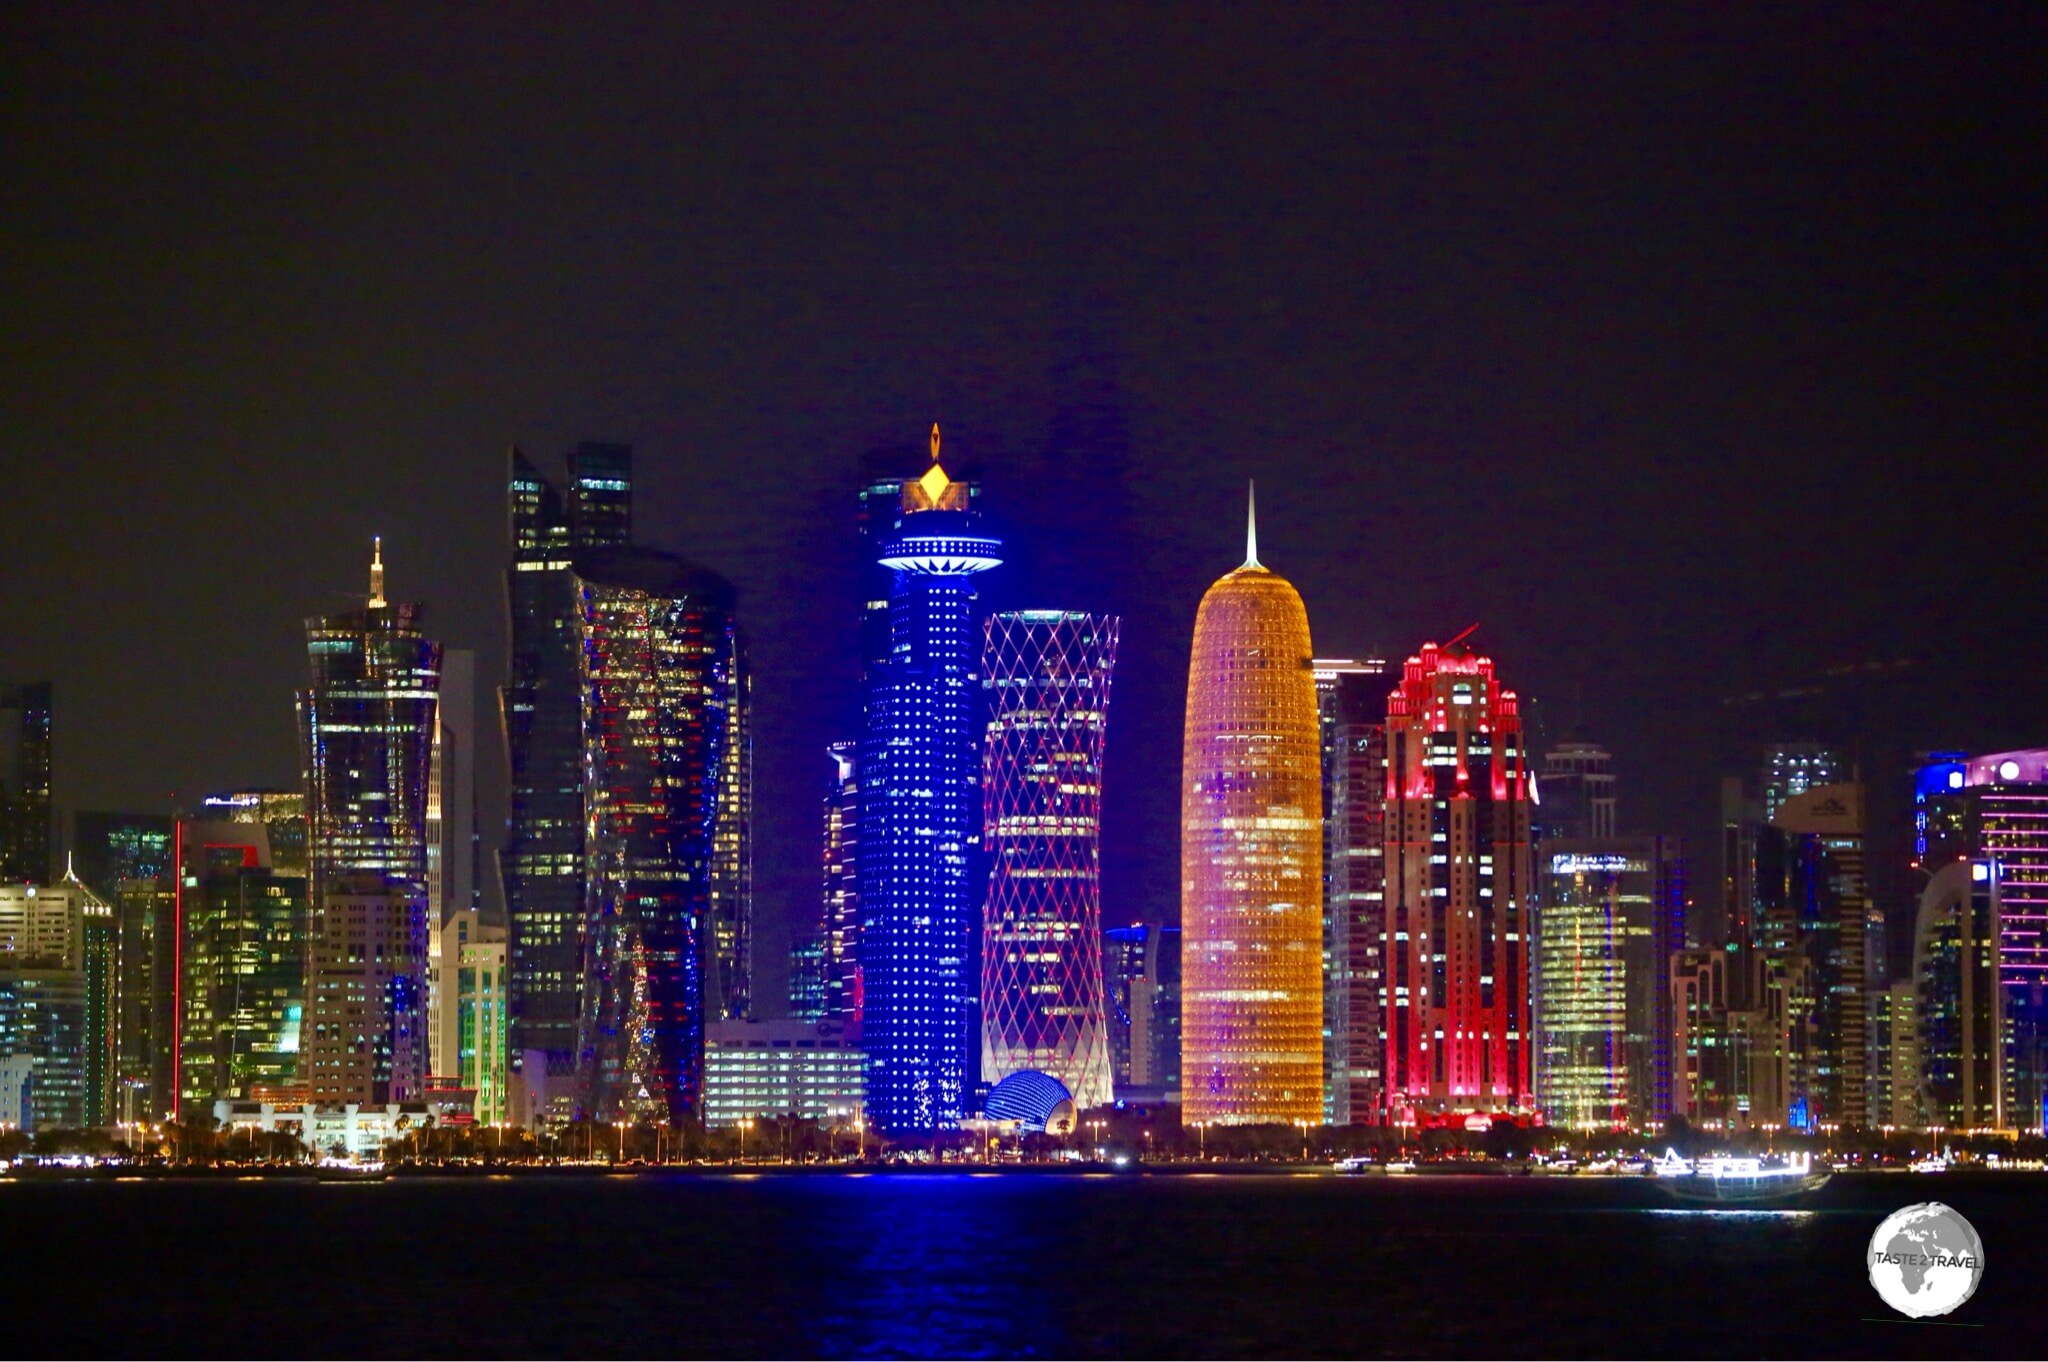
919	1281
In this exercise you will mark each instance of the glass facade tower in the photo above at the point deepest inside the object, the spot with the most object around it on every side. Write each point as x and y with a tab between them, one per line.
1251	858
920	812
540	706
1351	702
1047	675
662	674
25	826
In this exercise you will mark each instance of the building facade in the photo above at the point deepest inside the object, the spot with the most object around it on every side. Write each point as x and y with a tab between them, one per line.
1460	887
1611	914
469	1012
26	826
839	920
365	1038
921	814
366	730
541	865
762	1070
240	966
1142	963
1577	789
1351	698
662	676
1251	858
1046	674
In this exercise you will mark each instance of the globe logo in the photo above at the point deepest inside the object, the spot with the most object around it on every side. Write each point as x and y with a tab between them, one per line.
1926	1259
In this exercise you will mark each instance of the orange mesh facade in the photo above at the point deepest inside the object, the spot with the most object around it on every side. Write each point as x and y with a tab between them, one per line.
1251	860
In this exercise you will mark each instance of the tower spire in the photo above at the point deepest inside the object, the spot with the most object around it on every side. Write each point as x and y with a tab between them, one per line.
1251	525
935	442
377	572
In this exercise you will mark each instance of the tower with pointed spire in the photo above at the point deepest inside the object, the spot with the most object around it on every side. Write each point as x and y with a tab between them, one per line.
1251	856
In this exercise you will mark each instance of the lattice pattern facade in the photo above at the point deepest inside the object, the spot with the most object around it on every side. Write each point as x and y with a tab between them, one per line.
1043	1008
1251	860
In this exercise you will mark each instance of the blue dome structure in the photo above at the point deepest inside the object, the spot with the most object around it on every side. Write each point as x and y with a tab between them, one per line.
1037	1101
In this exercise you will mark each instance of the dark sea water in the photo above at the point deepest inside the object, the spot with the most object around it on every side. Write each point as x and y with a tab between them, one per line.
1013	1265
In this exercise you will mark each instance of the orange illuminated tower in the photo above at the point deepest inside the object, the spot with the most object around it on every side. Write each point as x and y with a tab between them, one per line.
1458	893
1251	858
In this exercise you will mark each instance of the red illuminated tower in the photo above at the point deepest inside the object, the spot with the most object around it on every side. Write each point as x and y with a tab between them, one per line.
1459	889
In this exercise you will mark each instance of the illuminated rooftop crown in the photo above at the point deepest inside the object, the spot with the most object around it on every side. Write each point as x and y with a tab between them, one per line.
938	535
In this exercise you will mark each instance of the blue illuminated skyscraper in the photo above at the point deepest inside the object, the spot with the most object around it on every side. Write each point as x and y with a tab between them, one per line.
921	812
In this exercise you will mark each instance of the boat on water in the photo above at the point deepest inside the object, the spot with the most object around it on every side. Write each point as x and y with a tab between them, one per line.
1740	1179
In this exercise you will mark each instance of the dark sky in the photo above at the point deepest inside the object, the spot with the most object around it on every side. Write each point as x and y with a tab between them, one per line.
1688	351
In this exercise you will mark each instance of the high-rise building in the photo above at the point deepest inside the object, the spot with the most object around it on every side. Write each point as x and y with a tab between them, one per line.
57	963
1142	964
1576	789
662	673
468	1011
1611	913
241	966
146	1024
365	1034
839	926
366	728
729	973
452	843
807	980
1251	857
920	820
283	816
1351	698
26	828
1047	676
108	848
1814	914
1793	768
1460	887
541	707
1991	813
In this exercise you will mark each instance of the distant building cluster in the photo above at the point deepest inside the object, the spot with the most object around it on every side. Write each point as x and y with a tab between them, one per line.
1392	910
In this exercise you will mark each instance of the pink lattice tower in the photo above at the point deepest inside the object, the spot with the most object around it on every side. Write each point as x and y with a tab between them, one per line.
1043	1005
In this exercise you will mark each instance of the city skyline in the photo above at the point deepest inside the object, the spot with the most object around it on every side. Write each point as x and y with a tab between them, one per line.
1607	316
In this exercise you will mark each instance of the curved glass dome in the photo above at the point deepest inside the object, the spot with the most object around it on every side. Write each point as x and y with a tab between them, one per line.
1038	1101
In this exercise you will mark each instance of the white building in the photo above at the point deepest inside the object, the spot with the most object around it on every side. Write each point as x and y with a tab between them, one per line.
754	1070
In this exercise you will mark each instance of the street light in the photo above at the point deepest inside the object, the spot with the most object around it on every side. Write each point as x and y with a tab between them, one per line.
745	1124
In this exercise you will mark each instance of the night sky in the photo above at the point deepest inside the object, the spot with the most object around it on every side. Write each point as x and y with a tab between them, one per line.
1691	354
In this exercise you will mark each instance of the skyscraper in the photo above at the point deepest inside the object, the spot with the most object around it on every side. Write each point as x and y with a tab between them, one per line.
451	792
1351	708
1814	910
1047	675
468	1014
1792	768
1984	1054
729	978
1459	890
25	826
1251	857
839	927
1577	789
541	708
366	728
107	848
368	723
241	966
1141	965
365	1034
921	811
1611	914
662	676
